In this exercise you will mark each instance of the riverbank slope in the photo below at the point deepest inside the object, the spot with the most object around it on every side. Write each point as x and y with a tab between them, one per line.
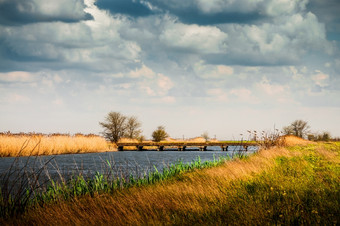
292	185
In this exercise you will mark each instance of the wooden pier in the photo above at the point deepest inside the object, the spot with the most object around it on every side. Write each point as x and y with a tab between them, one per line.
181	146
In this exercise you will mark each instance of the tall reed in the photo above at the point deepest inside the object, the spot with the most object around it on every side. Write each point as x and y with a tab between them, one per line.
10	145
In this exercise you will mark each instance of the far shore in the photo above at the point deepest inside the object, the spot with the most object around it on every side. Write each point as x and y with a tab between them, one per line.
33	144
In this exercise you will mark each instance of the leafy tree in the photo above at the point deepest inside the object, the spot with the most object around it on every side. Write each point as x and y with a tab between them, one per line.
298	128
141	138
311	137
326	136
132	127
159	134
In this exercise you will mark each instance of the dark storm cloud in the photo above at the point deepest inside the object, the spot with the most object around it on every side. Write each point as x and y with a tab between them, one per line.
17	12
156	35
191	13
197	17
328	13
187	11
128	7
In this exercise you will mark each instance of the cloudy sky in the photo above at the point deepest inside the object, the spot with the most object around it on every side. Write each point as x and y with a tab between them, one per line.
221	66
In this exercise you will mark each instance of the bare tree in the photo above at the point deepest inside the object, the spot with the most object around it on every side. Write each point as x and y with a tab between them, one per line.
205	135
298	128
114	126
159	134
133	127
288	130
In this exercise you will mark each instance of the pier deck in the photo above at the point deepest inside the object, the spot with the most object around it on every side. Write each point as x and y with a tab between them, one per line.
181	146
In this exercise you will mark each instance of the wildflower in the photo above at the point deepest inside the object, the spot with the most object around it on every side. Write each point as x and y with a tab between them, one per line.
271	188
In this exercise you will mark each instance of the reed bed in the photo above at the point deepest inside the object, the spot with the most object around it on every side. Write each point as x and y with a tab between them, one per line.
35	145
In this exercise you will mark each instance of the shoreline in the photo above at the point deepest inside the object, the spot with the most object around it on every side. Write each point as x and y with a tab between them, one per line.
287	176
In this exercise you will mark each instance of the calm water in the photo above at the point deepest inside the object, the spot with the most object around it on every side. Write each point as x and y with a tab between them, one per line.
121	164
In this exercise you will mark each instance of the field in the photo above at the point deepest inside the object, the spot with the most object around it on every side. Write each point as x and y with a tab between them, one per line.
297	184
12	145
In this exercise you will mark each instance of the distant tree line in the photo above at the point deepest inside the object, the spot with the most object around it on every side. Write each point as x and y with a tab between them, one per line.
117	126
300	128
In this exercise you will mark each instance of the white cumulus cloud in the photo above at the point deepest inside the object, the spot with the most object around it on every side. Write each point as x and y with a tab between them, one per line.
194	38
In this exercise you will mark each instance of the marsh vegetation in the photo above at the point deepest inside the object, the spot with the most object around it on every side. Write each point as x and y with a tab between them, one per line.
295	184
33	144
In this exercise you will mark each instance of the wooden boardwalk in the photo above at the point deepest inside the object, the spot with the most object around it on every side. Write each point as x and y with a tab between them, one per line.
181	146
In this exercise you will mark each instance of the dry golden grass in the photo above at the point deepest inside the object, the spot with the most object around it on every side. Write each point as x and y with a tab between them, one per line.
274	186
192	193
195	140
291	140
191	140
26	145
128	140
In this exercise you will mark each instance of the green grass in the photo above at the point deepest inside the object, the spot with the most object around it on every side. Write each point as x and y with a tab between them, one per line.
13	204
298	190
276	186
103	184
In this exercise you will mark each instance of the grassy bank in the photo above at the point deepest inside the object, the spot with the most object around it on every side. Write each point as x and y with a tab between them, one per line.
28	145
293	185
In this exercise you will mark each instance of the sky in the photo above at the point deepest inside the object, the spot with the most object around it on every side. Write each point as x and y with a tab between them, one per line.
194	66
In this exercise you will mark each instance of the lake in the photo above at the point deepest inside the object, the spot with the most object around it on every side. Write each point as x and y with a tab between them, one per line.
120	164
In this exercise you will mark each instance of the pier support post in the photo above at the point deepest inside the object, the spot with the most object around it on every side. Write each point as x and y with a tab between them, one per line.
204	148
160	148
140	148
120	148
184	147
223	148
